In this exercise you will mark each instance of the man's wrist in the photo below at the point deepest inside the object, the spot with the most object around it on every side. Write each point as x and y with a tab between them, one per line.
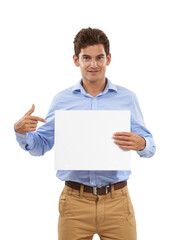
143	144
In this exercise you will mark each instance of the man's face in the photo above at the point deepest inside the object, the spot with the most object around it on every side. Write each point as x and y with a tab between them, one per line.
92	62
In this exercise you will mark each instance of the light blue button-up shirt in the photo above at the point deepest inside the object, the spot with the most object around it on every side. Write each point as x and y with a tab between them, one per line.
113	97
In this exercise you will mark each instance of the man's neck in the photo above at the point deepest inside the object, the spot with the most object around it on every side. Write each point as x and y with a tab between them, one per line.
94	88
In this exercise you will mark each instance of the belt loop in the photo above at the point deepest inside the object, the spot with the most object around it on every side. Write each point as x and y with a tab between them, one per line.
111	190
81	190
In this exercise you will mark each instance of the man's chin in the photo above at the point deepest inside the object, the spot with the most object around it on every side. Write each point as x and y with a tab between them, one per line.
93	79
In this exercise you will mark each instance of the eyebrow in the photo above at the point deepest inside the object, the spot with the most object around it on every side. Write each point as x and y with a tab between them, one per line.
100	55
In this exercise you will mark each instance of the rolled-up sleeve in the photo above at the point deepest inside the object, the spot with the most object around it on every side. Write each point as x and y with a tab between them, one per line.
24	140
138	127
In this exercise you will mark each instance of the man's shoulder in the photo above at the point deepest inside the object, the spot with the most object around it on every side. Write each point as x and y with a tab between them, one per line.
124	90
64	93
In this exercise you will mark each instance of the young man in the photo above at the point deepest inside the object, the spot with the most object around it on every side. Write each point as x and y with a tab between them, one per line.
91	201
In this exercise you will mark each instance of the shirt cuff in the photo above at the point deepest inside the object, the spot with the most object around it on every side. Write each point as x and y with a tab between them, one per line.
24	140
146	151
21	137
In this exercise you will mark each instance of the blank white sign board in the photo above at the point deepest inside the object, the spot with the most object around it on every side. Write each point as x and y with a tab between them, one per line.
83	140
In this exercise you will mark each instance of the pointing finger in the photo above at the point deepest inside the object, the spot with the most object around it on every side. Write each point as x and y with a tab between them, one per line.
37	119
42	120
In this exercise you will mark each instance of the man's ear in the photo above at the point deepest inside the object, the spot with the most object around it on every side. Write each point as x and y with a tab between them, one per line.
76	60
108	59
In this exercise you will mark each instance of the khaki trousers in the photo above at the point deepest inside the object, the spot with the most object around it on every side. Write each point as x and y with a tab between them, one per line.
82	215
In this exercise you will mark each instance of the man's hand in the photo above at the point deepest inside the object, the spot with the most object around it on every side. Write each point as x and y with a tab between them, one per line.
129	141
28	123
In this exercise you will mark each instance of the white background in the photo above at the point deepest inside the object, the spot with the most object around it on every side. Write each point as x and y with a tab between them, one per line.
149	56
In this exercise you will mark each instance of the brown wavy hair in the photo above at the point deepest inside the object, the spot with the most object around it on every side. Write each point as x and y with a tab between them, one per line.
88	37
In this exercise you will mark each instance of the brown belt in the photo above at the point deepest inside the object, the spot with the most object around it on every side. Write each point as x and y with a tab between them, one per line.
96	190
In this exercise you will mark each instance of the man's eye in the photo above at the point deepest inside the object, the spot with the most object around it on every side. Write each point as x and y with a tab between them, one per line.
86	58
100	58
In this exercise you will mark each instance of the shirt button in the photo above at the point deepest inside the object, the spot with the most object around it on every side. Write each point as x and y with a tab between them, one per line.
92	183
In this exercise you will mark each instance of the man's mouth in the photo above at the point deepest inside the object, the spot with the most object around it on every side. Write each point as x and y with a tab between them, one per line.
93	71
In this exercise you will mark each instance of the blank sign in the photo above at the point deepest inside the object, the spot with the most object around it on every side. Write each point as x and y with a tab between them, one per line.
83	140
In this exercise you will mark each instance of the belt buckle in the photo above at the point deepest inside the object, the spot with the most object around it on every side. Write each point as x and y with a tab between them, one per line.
95	189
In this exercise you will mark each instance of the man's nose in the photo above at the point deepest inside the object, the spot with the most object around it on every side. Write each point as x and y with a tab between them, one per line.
93	63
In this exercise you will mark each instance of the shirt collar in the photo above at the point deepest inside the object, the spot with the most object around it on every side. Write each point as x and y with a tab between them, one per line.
79	88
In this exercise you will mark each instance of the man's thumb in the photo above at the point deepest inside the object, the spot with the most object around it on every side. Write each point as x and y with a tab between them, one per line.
31	110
